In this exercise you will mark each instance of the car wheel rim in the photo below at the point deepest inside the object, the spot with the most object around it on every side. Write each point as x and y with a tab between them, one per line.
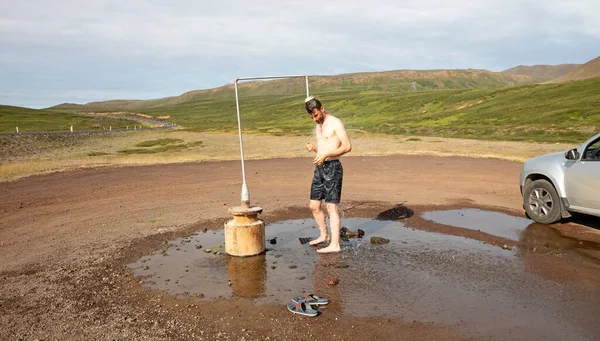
540	202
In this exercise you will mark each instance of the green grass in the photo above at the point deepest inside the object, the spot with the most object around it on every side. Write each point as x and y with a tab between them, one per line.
159	142
160	146
567	112
48	120
97	154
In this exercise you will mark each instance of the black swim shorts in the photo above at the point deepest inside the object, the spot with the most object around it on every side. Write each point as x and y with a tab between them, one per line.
327	182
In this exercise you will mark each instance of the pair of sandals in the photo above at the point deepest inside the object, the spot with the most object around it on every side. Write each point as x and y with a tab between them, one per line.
302	305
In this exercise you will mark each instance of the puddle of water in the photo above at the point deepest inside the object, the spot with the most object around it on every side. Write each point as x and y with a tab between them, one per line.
419	275
494	223
185	267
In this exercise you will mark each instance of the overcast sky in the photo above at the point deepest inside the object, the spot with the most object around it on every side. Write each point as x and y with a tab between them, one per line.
55	51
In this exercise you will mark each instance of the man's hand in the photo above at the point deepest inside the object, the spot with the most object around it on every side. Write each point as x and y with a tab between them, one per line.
310	147
319	159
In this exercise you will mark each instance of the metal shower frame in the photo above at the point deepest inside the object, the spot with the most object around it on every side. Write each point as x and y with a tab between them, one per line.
245	192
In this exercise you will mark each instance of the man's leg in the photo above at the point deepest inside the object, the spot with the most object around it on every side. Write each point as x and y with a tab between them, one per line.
335	225
315	207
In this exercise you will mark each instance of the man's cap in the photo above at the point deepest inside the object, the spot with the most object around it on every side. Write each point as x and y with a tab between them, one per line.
309	98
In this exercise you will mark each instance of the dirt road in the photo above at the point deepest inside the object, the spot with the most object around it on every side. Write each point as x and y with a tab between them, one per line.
66	240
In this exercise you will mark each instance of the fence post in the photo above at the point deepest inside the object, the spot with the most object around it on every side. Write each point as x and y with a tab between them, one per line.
71	129
17	130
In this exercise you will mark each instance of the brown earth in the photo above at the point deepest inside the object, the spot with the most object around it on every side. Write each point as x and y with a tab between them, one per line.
590	69
65	239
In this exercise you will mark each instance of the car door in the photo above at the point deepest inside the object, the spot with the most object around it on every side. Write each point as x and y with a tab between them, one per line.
582	178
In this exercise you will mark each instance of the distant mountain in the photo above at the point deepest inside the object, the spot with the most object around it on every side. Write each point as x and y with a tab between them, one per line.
393	81
542	73
590	69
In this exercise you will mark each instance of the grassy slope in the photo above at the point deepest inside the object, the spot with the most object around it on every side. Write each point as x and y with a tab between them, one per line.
398	80
382	103
45	120
567	112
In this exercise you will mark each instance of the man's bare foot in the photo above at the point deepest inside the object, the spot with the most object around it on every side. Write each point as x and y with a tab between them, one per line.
319	240
330	249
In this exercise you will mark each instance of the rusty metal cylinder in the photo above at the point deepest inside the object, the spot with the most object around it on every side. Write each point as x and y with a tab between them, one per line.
245	233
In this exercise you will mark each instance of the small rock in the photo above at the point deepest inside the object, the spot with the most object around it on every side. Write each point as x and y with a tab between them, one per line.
379	240
506	247
332	281
273	241
300	278
198	246
292	266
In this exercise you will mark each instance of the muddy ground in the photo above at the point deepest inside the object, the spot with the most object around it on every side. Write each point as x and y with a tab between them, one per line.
66	240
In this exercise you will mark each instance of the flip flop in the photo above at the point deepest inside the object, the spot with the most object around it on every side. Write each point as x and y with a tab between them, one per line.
311	300
301	308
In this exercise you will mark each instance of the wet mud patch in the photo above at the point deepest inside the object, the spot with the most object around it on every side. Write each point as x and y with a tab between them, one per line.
418	275
197	265
543	250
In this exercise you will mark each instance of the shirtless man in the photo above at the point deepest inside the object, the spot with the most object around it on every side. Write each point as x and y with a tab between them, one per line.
332	142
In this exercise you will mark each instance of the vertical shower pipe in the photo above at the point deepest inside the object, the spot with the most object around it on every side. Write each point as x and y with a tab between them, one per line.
245	192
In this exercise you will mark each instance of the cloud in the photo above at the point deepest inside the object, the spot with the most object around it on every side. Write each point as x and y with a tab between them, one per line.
206	43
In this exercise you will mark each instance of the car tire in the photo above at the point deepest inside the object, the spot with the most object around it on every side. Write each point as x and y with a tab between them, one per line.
541	202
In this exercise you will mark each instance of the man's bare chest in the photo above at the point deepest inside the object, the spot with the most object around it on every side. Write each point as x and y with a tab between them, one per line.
325	133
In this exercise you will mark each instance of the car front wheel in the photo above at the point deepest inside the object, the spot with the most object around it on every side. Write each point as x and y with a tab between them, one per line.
541	202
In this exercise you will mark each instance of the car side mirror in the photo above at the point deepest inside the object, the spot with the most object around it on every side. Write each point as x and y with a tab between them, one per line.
572	154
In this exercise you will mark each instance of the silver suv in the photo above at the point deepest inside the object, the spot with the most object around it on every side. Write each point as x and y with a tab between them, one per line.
556	184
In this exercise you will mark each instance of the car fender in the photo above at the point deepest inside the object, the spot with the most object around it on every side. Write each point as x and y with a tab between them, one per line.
550	166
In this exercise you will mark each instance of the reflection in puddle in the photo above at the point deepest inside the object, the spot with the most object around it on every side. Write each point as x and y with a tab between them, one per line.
494	223
419	275
543	239
247	275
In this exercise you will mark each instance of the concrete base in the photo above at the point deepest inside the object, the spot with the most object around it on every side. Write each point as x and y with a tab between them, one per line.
245	233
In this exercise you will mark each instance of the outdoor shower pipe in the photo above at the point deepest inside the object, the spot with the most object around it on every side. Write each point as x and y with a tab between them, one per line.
245	193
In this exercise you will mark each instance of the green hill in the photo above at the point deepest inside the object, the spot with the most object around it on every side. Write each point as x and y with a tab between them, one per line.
46	120
398	81
568	112
457	103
